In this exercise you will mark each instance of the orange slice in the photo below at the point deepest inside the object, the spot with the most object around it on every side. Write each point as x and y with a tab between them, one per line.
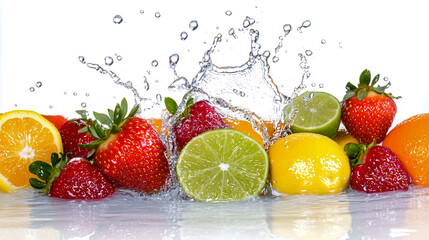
25	137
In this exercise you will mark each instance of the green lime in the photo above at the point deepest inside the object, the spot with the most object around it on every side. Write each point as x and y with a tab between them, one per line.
222	165
318	112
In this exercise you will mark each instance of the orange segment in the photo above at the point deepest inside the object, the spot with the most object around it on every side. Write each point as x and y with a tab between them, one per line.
409	140
244	127
25	136
156	123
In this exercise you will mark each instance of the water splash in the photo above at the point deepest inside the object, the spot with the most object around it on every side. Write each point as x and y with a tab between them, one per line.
248	22
38	84
108	61
287	28
305	24
183	35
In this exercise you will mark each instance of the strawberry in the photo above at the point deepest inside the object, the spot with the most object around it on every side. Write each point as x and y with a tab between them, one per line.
197	118
367	112
73	133
57	120
129	151
74	179
376	169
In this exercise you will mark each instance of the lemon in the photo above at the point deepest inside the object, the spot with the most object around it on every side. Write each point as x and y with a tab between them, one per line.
308	163
25	137
343	137
318	112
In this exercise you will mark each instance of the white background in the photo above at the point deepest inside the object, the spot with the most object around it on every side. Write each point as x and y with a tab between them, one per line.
42	40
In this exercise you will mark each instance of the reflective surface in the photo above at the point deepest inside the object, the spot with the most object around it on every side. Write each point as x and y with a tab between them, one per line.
28	214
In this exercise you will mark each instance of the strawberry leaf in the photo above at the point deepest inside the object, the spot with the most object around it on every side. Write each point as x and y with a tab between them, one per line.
103	118
362	94
350	86
55	159
111	113
41	169
83	114
365	78
133	111
37	184
83	130
171	105
375	80
124	107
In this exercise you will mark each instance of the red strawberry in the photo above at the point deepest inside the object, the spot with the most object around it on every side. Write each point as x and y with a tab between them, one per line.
367	112
376	169
73	133
74	179
197	118
129	152
57	120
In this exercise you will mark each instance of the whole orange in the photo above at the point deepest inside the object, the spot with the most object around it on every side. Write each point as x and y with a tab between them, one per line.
409	140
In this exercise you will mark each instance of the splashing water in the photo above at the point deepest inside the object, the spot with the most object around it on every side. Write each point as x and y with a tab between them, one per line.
193	25
117	19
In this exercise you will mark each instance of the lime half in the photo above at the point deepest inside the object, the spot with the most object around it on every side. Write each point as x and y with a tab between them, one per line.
222	165
318	112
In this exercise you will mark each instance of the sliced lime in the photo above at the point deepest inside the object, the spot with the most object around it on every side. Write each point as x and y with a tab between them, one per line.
222	165
318	112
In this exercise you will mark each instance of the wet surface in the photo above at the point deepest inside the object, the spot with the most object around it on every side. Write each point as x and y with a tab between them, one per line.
28	214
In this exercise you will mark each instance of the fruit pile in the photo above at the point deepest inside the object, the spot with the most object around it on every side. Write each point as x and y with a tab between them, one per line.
220	158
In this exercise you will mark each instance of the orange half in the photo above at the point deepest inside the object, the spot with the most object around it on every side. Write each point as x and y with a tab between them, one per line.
25	137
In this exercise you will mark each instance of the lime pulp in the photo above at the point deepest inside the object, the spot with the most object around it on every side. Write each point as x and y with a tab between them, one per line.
222	165
317	112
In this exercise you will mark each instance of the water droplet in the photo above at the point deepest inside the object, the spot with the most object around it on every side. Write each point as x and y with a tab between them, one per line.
340	45
231	32
158	98
266	54
313	84
118	57
75	94
193	25
117	19
321	85
16	105
308	52
157	15
228	13
275	59
183	35
146	84
305	24
386	79
83	104
305	98
82	59
87	94
50	106
65	93
323	41
287	28
248	22
242	94
154	63
31	89
311	95
174	59
141	11
108	61
38	84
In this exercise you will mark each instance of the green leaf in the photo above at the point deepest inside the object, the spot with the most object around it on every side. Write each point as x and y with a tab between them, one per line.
111	113
37	184
92	144
375	80
92	131
124	107
41	169
362	94
133	111
117	115
171	105
348	95
103	118
99	130
91	153
83	130
55	159
83	114
350	86
365	78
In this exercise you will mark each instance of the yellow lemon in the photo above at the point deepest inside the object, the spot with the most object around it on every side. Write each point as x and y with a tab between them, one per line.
308	163
343	137
25	137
